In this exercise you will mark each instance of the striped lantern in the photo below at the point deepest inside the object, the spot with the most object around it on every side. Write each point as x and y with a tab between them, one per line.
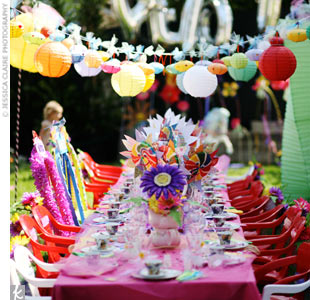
52	59
244	74
239	60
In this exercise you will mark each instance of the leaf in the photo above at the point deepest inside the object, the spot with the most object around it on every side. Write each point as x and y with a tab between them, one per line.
137	201
274	198
176	215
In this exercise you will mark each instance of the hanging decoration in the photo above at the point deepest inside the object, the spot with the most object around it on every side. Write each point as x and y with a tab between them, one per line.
217	68
85	71
92	59
179	82
52	59
129	81
244	74
277	62
239	60
16	29
199	82
297	35
78	53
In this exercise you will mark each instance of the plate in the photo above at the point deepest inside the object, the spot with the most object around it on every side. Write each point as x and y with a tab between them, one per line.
106	220
224	215
229	225
93	250
235	246
165	274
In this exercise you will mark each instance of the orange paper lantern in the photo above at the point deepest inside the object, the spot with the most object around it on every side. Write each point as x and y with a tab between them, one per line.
217	68
92	59
52	59
68	42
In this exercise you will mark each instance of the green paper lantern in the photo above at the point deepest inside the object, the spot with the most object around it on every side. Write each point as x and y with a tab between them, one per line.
171	69
226	60
308	32
239	60
244	74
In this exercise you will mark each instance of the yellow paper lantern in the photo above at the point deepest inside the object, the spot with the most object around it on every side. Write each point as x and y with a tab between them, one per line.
68	42
129	81
183	65
16	29
34	37
21	52
92	59
297	35
146	68
226	60
239	60
104	55
53	59
149	80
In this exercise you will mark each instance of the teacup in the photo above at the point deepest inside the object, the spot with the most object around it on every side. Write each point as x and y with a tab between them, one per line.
216	249
102	240
218	221
112	228
211	201
125	190
224	237
115	204
112	213
217	209
153	266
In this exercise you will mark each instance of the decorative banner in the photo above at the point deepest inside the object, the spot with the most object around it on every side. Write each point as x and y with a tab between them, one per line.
295	165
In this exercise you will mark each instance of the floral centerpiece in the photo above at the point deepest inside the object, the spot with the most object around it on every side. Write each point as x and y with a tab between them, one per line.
169	155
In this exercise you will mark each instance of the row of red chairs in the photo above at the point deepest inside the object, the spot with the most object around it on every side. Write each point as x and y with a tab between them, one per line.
104	177
273	230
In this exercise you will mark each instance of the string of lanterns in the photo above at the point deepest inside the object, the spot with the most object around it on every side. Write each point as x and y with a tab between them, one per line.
52	54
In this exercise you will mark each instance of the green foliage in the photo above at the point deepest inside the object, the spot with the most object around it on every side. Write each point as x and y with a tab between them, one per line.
176	215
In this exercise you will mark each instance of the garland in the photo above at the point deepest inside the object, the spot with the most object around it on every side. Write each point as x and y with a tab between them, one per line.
44	169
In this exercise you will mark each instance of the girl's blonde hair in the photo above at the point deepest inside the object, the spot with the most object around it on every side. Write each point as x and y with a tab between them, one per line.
50	107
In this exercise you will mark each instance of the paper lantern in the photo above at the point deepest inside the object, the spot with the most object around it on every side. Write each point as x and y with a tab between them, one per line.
104	55
85	71
21	52
111	66
308	32
57	36
16	29
78	53
171	69
34	38
277	62
179	82
297	35
204	63
68	42
263	45
146	68
149	80
183	105
92	59
239	60
226	60
254	54
158	67
183	65
217	68
129	81
46	31
52	59
199	82
244	74
218	61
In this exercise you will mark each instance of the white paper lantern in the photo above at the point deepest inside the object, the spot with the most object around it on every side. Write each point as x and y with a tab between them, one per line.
199	82
85	71
179	81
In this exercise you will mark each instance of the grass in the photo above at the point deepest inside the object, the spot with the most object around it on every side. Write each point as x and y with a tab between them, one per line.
26	182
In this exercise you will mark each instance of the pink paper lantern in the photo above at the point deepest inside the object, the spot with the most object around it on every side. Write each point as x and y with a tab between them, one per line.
112	66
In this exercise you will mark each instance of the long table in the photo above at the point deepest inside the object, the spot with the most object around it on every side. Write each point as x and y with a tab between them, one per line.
224	283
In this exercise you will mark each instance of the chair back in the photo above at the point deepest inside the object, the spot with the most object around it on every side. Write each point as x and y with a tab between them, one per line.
24	267
303	258
44	219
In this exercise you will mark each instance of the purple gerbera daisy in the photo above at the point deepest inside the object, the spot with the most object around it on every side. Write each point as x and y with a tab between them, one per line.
275	191
162	180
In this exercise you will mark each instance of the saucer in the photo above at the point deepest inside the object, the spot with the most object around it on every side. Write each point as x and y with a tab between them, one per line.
93	250
164	274
229	225
234	246
106	220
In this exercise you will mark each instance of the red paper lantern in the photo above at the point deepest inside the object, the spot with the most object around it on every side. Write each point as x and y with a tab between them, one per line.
277	62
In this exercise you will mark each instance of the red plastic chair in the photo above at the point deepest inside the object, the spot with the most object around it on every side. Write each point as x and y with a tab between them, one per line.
253	207
276	271
53	245
289	214
98	191
242	184
48	224
255	191
266	216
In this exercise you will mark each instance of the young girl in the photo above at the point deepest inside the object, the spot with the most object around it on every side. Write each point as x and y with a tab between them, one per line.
51	112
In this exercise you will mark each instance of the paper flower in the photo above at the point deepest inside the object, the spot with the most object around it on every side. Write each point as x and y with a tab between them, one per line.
230	89
303	205
162	180
168	203
30	198
18	240
276	192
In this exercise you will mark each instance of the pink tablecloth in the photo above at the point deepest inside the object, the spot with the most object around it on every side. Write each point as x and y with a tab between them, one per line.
231	283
